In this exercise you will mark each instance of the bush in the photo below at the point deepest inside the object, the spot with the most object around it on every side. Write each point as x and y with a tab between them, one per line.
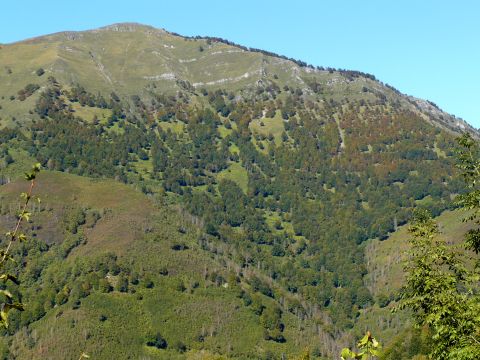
258	285
179	247
277	250
148	283
157	341
383	300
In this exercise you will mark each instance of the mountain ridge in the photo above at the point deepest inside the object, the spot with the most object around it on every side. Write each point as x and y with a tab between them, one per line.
261	67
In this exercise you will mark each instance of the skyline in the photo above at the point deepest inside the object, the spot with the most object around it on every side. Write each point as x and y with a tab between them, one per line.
426	50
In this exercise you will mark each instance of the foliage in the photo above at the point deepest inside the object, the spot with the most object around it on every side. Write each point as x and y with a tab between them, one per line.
157	341
191	164
74	300
369	349
469	164
411	343
275	183
16	235
27	91
441	289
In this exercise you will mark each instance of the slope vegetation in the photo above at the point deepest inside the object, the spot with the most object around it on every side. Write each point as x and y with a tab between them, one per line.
202	196
122	271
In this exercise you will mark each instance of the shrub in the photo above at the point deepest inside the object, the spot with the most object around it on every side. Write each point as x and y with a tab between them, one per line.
277	250
157	341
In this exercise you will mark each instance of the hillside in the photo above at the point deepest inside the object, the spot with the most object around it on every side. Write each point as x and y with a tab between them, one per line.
171	285
385	260
203	199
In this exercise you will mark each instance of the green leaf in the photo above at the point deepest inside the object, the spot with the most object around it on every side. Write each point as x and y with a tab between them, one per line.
347	354
10	277
364	341
4	318
29	176
25	215
7	256
16	306
362	355
6	309
6	293
375	352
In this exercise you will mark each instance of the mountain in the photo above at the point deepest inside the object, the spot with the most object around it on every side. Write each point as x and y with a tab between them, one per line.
131	59
206	200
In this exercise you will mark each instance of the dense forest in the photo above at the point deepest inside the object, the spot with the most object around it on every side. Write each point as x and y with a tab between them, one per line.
279	218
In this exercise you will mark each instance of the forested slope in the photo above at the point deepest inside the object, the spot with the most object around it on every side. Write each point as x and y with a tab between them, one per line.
204	179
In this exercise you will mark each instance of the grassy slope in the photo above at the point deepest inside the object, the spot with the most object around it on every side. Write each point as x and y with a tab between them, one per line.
235	172
88	113
385	275
135	59
215	311
385	258
267	126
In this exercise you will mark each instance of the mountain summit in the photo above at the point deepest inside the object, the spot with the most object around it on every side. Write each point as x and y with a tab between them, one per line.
131	58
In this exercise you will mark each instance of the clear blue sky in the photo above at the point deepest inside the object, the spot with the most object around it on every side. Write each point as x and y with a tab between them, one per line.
426	48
